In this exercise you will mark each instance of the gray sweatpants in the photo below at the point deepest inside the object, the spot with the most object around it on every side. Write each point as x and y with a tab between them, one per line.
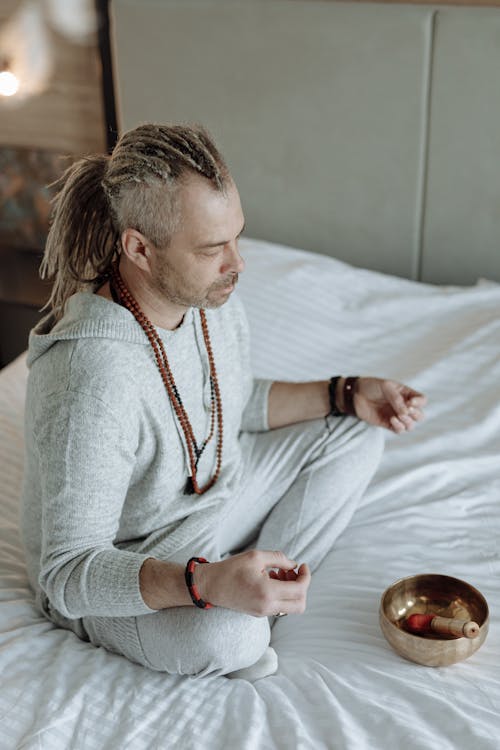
300	486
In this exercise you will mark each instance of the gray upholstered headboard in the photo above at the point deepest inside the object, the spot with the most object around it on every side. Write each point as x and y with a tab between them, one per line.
364	131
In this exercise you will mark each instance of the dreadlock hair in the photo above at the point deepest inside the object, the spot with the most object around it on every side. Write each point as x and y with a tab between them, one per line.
136	187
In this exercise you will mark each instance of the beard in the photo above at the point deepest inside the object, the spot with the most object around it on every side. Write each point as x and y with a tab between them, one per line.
179	291
215	297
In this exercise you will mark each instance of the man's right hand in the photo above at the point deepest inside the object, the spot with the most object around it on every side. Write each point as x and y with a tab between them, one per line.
257	582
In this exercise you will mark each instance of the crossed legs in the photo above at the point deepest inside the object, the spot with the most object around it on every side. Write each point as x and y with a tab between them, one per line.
300	486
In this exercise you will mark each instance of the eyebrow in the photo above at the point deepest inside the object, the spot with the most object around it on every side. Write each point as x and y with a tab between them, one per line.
218	244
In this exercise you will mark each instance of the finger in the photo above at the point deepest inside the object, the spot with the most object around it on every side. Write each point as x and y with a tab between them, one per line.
304	574
416	414
396	425
286	575
296	607
276	559
288	608
300	581
408	422
411	396
398	403
292	598
417	399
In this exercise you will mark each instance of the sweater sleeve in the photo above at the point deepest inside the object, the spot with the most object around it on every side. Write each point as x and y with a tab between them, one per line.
84	470
255	413
255	390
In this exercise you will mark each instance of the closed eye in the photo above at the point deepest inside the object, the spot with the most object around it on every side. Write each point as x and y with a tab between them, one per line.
214	248
213	251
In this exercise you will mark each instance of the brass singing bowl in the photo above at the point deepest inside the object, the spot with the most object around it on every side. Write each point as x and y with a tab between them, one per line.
439	595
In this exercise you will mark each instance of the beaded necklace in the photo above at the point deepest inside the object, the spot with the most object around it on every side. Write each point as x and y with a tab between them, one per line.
122	295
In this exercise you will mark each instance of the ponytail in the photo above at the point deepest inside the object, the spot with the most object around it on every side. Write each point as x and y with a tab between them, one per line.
82	242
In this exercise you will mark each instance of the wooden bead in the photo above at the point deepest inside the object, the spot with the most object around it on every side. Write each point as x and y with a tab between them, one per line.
127	300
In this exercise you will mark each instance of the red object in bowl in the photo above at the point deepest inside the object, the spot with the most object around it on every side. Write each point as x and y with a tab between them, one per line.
422	624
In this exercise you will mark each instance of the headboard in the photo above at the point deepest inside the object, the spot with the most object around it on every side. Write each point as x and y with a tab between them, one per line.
365	131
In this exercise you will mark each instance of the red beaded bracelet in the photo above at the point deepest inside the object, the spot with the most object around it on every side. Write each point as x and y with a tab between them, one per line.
192	588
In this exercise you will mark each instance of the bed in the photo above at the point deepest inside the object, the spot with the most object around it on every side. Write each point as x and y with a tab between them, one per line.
433	507
396	176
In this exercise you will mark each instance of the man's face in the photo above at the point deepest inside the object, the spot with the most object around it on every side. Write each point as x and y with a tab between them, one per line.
201	265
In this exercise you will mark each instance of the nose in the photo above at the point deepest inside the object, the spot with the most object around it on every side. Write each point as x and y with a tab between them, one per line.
233	262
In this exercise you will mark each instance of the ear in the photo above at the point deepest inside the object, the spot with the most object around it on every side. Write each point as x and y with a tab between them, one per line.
137	248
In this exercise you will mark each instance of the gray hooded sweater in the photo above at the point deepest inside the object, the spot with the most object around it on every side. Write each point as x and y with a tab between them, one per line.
106	461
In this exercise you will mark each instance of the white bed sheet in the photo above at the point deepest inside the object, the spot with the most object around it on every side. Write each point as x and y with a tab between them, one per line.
434	506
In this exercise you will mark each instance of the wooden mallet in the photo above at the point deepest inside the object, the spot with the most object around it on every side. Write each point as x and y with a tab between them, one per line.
421	624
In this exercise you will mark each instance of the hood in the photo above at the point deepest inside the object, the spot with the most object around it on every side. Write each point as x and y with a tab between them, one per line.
86	315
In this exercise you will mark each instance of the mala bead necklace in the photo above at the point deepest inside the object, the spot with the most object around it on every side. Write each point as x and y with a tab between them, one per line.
122	295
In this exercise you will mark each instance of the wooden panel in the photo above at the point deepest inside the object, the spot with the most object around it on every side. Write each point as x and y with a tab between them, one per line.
462	219
321	128
68	117
470	3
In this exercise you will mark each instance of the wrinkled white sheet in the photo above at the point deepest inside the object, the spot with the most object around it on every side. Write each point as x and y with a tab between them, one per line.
434	506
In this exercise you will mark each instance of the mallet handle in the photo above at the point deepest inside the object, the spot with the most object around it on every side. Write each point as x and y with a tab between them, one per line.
419	623
450	626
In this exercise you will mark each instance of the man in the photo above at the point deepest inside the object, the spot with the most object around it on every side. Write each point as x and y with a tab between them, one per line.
168	497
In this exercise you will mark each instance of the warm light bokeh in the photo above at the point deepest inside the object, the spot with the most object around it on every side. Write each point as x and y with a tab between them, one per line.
9	83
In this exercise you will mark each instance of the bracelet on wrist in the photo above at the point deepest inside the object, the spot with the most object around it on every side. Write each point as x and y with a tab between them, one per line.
332	394
348	395
192	588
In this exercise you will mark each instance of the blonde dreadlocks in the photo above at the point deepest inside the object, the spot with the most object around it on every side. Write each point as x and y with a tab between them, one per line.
100	196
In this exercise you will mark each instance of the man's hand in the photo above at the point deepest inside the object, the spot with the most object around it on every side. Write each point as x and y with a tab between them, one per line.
386	403
257	582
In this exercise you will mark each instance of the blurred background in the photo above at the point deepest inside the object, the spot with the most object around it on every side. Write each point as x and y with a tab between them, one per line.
56	104
389	206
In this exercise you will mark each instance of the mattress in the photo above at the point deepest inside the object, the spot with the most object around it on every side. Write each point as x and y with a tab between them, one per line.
432	507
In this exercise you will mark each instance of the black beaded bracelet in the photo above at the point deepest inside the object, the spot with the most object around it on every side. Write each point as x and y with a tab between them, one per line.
332	391
349	391
192	588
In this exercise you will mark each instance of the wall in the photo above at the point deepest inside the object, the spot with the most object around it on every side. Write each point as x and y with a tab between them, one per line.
369	129
470	3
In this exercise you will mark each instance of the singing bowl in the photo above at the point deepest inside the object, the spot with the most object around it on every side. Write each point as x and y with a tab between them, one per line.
439	595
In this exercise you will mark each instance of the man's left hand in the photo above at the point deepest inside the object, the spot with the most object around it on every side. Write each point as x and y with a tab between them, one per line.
389	404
